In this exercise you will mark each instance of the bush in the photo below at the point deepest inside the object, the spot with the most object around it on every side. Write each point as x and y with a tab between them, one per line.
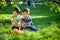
2	3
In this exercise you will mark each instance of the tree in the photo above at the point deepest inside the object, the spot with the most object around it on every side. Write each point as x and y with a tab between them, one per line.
3	3
54	4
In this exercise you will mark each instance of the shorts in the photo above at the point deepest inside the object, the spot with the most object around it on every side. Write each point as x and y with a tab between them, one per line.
13	27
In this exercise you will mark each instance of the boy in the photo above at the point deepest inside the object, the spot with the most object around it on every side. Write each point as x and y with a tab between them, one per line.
16	21
26	21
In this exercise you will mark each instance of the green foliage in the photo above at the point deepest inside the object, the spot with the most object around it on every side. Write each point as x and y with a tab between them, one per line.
3	3
52	32
15	2
53	5
42	18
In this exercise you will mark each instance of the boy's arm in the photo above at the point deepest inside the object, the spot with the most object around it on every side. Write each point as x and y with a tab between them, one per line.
28	25
14	21
20	24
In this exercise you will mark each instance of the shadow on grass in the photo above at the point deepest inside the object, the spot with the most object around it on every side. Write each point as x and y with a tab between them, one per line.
37	21
44	22
4	22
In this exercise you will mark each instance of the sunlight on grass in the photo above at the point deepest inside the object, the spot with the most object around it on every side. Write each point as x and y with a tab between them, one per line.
5	16
39	16
8	16
50	30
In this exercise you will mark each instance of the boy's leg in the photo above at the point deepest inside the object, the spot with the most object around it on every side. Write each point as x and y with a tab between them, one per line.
16	29
33	28
13	27
21	28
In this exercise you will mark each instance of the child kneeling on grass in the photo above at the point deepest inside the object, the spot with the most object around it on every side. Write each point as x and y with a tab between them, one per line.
26	21
16	21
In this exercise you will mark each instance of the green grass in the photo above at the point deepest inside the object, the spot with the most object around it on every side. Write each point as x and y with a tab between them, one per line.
42	18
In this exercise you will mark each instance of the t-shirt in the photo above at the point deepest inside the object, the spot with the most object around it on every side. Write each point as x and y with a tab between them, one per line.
27	20
17	18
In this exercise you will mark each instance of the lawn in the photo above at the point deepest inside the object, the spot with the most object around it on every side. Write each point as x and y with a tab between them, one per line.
42	18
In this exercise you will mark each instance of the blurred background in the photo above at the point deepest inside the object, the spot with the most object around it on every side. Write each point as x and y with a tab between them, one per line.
44	13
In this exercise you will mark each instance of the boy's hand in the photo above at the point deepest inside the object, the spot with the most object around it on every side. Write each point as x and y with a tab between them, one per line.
24	25
14	21
19	27
28	25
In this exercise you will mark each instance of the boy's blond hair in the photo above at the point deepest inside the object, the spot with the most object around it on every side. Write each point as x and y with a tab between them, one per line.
26	10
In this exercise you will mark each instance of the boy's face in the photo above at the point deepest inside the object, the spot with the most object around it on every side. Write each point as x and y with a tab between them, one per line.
15	13
25	14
